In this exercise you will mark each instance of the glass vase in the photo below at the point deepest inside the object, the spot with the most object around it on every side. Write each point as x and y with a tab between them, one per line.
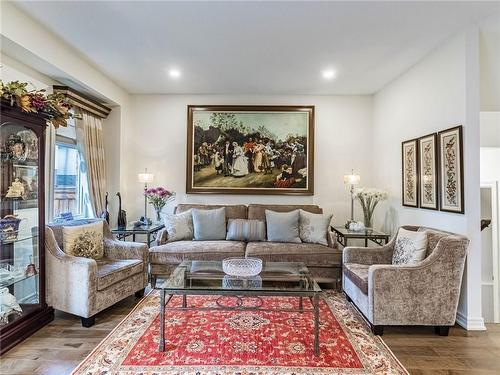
368	219
158	216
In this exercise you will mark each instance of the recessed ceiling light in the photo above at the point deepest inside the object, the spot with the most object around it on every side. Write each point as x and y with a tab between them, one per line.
174	73
328	74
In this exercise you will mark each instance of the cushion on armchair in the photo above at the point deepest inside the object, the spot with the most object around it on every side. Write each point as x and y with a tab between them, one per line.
111	271
84	240
358	274
410	247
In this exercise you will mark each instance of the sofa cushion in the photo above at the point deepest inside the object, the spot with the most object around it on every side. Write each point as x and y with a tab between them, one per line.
258	211
313	255
283	226
179	226
313	228
111	271
232	211
246	230
176	252
209	225
358	274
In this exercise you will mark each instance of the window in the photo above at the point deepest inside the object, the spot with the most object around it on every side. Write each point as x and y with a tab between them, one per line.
70	180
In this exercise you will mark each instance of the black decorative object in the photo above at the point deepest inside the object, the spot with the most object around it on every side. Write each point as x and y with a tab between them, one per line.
122	215
485	223
105	213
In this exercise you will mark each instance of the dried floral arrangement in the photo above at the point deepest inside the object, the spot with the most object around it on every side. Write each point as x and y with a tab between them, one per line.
55	106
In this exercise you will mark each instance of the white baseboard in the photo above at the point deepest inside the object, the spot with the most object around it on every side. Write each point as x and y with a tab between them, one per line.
470	324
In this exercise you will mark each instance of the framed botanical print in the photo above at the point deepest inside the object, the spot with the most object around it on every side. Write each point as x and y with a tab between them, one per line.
428	171
250	149
410	173
451	170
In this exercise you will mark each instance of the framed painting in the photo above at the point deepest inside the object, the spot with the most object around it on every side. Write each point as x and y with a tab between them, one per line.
250	149
451	170
410	173
428	171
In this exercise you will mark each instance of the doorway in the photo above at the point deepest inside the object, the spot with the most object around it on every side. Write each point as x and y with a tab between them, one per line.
490	253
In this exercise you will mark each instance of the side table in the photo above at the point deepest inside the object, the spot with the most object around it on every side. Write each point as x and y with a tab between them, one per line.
343	235
150	231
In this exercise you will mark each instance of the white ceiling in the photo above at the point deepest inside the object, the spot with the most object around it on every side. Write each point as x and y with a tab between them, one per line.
255	47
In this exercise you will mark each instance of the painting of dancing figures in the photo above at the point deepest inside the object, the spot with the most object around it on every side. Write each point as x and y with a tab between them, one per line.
250	149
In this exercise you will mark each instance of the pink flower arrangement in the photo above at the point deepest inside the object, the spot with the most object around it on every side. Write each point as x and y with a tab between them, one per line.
158	197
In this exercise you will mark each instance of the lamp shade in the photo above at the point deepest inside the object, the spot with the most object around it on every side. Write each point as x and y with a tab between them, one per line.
351	179
145	178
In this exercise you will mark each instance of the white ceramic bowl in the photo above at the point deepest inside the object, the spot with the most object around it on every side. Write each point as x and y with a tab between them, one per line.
242	267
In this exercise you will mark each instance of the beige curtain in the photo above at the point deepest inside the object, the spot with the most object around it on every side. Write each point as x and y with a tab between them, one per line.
90	140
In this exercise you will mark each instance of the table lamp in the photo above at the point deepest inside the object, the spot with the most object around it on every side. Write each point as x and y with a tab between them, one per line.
351	180
145	178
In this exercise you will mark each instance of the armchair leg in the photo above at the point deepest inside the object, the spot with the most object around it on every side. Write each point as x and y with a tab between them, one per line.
88	322
139	293
377	330
153	282
442	330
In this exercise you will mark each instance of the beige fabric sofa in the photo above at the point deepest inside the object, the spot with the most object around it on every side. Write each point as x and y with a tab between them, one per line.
83	286
323	261
423	294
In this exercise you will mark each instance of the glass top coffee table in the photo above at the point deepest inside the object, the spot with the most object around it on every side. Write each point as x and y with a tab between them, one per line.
207	278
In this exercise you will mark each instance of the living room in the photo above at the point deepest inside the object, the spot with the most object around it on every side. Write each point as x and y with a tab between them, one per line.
209	140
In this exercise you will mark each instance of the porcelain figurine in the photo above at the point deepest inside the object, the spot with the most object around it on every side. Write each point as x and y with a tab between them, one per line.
16	190
8	306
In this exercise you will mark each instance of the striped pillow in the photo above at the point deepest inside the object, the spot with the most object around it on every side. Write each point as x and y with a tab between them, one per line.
246	230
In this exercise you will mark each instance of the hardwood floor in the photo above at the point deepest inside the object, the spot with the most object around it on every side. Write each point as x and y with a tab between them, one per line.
57	348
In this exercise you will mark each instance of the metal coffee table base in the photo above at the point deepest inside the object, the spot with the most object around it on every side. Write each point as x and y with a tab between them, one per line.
240	295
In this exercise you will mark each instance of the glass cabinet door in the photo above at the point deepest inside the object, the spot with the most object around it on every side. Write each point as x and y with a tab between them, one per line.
19	222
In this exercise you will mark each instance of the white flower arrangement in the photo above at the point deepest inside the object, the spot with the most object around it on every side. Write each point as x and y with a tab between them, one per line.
369	198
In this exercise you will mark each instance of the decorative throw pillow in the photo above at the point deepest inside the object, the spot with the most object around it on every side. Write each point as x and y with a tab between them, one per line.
179	226
84	240
313	228
246	230
410	247
283	226
209	224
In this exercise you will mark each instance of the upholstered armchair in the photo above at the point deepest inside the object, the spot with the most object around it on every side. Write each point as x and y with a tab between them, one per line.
83	286
426	293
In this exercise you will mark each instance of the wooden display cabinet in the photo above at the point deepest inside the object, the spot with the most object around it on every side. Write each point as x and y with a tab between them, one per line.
23	307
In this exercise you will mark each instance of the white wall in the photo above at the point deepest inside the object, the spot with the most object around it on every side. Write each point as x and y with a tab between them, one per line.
13	70
156	139
490	129
489	38
490	164
439	92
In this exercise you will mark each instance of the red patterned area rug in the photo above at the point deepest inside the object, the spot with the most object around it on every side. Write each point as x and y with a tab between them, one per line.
242	342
